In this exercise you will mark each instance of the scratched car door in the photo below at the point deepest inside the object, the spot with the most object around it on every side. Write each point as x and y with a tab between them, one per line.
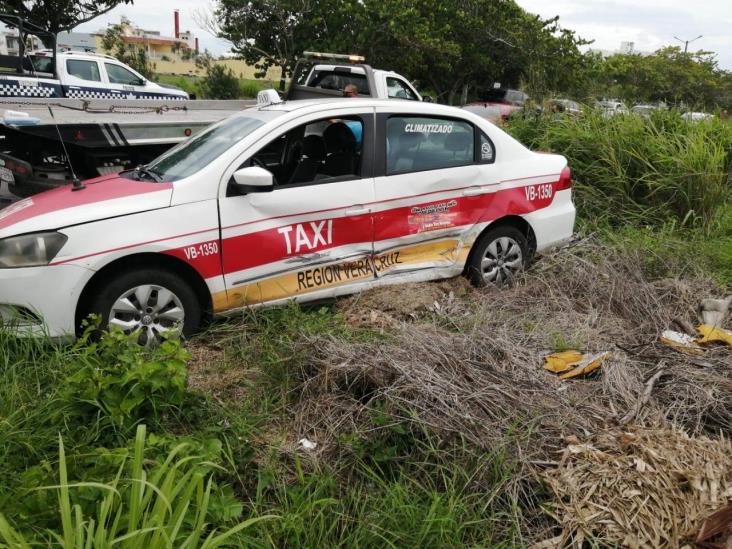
312	236
435	182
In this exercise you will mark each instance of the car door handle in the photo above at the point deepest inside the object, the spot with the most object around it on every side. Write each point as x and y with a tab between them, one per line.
358	210
474	191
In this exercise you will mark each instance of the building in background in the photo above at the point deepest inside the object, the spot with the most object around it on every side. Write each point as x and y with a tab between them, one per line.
9	42
169	54
626	48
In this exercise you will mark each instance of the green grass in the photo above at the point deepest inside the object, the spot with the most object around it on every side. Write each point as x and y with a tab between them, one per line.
198	455
248	88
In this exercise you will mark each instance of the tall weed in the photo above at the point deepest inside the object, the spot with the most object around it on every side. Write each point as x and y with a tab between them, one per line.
168	505
630	170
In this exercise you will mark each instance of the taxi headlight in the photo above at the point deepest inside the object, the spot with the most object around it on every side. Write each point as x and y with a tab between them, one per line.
30	250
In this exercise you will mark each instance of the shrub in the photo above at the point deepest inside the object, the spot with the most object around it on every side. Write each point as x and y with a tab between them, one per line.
117	382
220	83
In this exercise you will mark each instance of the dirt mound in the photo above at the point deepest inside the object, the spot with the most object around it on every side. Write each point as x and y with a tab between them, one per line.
387	306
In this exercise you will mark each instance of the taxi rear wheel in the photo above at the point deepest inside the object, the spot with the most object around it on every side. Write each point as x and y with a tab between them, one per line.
499	256
149	302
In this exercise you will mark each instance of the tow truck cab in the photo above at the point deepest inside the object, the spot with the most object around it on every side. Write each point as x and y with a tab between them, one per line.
319	75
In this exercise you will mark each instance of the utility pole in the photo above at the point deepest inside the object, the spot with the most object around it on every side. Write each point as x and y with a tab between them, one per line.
687	42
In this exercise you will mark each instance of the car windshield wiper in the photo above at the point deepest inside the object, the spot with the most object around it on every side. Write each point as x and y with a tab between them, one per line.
142	171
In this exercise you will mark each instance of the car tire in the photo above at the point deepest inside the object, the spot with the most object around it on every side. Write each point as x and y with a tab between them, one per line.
152	301
498	257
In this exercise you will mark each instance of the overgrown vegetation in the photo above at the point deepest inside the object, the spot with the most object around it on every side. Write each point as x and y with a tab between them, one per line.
414	416
244	88
657	172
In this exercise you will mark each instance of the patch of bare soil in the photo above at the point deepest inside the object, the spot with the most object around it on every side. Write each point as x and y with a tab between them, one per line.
208	370
389	305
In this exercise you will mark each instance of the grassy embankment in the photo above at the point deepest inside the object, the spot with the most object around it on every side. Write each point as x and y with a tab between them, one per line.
427	403
248	89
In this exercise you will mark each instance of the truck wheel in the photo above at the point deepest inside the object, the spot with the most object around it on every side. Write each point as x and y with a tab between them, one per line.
149	301
498	257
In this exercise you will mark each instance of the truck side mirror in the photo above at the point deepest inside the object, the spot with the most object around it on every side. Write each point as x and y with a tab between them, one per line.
254	179
427	99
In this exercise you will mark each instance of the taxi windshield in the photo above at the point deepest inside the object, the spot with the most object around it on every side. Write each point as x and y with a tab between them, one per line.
198	152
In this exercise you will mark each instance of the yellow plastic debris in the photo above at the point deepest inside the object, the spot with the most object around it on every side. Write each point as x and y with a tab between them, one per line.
561	362
710	334
587	365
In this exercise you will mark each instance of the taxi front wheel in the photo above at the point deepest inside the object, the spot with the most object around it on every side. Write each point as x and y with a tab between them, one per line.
150	302
499	256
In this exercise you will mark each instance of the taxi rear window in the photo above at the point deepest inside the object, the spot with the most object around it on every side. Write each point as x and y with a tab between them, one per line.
418	143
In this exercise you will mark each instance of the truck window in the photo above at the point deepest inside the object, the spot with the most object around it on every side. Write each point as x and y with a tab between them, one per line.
329	80
38	63
416	144
86	70
120	75
397	89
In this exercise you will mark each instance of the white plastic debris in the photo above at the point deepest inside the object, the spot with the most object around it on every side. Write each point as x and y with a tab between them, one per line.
678	337
307	444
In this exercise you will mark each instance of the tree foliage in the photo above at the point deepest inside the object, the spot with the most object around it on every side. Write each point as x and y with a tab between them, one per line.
59	15
449	47
669	75
462	47
135	57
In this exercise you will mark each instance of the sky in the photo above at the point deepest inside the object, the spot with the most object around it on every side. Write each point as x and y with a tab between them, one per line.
650	24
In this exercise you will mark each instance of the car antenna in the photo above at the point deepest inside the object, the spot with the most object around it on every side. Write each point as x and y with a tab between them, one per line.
76	184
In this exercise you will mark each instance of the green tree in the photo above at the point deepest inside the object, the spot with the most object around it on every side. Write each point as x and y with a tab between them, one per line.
669	75
268	33
135	57
59	15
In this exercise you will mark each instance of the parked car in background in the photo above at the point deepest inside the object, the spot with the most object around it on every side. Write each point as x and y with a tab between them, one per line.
645	110
507	101
611	108
492	113
696	116
565	105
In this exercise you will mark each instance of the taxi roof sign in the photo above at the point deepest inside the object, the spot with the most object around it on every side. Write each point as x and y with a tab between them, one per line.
268	97
334	56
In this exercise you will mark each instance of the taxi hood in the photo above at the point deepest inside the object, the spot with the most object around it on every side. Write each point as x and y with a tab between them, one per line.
103	197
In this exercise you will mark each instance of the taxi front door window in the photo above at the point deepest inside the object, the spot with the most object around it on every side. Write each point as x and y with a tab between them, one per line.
317	152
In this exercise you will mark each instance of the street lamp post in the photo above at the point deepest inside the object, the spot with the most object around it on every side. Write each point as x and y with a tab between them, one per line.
687	42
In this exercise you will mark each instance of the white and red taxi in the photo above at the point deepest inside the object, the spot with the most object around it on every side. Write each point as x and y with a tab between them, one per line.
291	200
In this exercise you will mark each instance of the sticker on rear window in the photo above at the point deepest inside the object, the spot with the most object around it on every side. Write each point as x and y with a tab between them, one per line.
428	128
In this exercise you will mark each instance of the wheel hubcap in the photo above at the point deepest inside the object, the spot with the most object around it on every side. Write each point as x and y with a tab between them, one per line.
150	310
502	261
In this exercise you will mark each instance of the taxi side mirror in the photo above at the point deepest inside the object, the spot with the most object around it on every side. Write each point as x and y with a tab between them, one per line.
254	179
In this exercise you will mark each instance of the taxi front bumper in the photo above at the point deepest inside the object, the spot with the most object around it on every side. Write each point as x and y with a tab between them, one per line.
38	301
